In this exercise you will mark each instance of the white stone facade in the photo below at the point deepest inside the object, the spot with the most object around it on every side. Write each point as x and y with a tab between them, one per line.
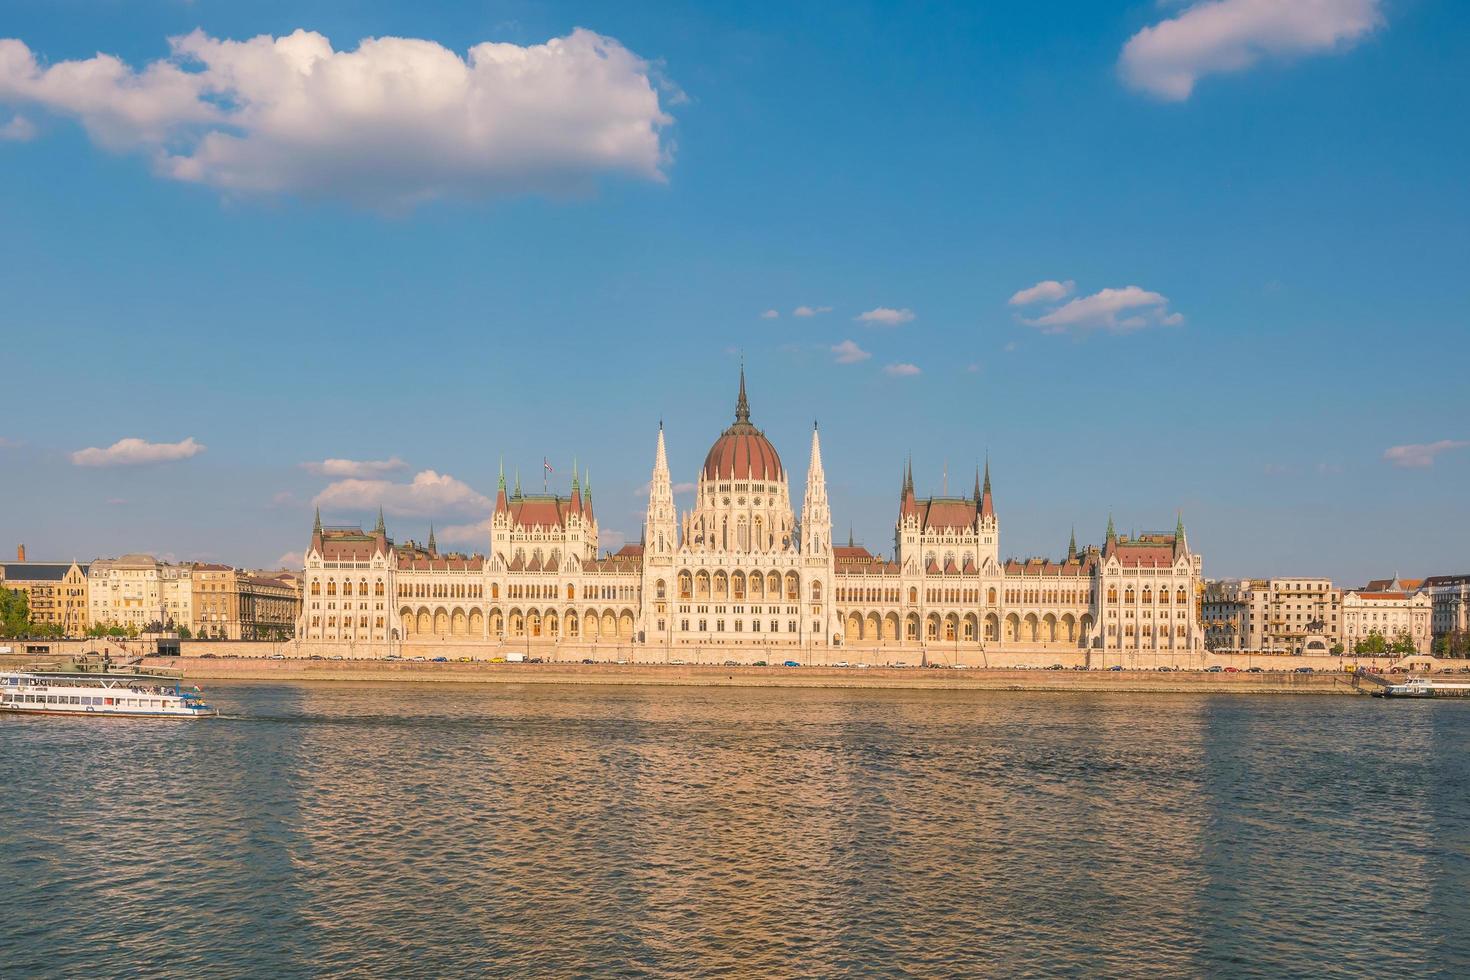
739	570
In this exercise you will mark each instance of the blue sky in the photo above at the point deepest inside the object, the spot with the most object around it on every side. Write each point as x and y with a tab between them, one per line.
1285	194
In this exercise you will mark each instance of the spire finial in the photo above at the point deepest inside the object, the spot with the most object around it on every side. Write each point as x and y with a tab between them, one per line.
1072	545
518	483
987	471
849	535
382	528
742	405
316	525
501	482
574	474
1112	534
433	548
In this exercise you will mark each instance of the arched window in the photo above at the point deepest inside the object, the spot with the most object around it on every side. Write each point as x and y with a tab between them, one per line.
913	595
816	592
378	589
331	586
1148	594
316	588
1128	596
1112	593
658	589
1179	595
992	597
686	585
571	591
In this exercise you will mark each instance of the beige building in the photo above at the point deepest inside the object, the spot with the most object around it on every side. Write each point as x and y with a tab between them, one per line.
1225	614
1389	613
56	592
1282	612
139	591
231	604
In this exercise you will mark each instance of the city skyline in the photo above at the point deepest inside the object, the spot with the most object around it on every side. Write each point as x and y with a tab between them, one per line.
1142	277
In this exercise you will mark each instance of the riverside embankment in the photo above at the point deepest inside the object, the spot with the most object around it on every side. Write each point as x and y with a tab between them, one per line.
692	675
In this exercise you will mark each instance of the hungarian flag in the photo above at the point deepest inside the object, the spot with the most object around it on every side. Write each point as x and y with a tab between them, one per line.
546	465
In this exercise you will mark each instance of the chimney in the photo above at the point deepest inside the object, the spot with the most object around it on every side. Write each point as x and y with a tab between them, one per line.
20	553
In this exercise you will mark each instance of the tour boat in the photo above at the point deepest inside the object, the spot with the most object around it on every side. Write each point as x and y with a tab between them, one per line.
127	695
1423	687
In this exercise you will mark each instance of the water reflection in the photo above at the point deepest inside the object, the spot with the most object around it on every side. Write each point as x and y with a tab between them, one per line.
366	829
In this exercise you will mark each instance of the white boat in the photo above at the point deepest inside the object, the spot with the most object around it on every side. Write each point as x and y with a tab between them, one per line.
1423	687
127	695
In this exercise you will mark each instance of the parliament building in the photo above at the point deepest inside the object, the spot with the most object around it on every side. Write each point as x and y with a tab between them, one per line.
739	576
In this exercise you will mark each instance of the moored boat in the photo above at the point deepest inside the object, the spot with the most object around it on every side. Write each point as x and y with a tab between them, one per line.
1423	687
128	695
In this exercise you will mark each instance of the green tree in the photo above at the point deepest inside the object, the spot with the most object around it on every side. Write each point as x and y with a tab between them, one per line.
1403	643
1372	644
15	612
184	633
1338	649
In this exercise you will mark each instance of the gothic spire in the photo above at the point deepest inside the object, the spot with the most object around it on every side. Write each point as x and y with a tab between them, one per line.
1072	545
433	548
381	528
987	506
316	525
977	486
742	405
517	494
1111	535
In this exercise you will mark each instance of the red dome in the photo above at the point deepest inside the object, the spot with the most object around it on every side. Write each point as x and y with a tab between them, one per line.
742	452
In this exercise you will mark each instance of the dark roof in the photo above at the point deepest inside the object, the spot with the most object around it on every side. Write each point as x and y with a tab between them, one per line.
39	571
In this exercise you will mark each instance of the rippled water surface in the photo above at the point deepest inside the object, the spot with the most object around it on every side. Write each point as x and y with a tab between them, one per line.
425	831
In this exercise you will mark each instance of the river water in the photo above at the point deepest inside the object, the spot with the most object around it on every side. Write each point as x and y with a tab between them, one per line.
434	831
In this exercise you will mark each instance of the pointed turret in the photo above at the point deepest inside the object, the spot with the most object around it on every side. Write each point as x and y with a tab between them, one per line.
575	504
517	494
661	520
500	501
977	487
587	493
1181	544
1072	544
816	516
987	506
742	406
316	525
433	548
381	528
1111	537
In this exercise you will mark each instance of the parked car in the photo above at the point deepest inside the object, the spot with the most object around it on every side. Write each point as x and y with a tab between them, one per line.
731	663
791	663
1305	670
1217	669
1232	670
277	656
760	663
536	660
1116	667
1255	670
1056	667
588	660
441	660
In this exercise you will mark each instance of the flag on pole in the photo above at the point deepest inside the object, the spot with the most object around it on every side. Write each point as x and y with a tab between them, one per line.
546	465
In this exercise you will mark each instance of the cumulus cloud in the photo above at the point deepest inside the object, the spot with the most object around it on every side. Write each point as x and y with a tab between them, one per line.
476	533
293	560
427	495
885	316
902	370
810	310
343	468
1216	36
770	315
1421	455
137	452
1046	291
1115	310
19	128
848	352
391	123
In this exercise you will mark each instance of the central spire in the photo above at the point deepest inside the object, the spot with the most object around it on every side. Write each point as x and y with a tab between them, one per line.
742	406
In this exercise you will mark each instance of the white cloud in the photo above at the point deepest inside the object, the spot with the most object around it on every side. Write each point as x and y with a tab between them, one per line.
136	452
341	468
885	316
902	370
770	315
20	129
1046	291
810	310
1115	310
427	495
392	123
611	540
848	352
476	533
283	498
1214	36
1420	456
293	560
972	368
